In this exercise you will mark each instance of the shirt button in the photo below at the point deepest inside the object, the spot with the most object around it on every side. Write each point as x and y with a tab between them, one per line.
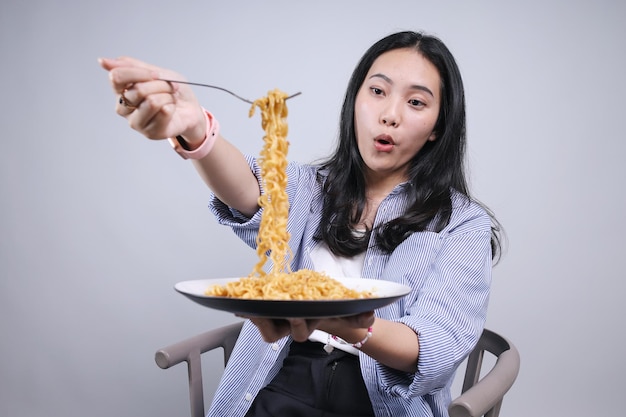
248	396
274	346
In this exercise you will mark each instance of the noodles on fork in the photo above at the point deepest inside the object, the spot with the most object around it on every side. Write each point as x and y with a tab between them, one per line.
273	239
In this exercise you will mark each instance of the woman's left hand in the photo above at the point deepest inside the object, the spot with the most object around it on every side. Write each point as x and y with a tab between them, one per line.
350	328
300	329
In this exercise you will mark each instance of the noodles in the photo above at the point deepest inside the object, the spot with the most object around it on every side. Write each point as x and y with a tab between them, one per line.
301	285
273	237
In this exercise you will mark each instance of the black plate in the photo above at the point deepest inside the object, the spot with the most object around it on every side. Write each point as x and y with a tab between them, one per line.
386	293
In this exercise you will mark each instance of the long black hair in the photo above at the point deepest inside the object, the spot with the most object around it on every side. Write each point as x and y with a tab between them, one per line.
436	170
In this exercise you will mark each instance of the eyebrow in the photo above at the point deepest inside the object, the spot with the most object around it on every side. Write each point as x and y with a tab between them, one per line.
413	87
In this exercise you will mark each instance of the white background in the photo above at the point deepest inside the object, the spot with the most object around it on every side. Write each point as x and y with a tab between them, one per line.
97	223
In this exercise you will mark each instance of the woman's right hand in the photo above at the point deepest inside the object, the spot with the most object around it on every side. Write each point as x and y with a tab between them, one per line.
155	108
274	329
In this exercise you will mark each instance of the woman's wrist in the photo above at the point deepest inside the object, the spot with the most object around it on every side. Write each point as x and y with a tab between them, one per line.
197	150
358	344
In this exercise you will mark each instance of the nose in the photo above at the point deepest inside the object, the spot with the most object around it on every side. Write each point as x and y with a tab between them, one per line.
389	121
390	116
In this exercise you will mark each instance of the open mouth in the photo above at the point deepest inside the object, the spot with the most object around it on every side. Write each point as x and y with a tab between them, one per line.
384	143
384	139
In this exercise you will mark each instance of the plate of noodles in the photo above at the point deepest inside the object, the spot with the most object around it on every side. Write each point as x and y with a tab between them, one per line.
284	293
362	295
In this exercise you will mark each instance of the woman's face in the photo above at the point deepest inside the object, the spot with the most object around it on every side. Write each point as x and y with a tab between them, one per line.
395	113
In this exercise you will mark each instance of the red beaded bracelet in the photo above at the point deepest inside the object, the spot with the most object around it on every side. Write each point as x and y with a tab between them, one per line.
357	345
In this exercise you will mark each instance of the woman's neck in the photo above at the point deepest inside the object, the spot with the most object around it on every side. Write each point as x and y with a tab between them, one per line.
377	188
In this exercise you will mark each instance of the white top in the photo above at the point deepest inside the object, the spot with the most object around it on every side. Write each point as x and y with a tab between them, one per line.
335	266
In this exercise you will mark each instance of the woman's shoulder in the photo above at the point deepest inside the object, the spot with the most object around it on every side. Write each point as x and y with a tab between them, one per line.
468	214
303	167
302	172
294	169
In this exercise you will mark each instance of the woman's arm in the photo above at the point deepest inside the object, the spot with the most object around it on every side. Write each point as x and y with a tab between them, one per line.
160	109
393	344
227	173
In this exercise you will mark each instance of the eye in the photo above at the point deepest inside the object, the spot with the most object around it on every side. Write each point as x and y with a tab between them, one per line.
377	91
415	102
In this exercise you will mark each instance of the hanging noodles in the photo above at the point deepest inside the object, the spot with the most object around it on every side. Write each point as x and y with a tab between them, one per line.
273	238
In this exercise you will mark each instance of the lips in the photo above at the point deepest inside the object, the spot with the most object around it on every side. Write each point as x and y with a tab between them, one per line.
384	143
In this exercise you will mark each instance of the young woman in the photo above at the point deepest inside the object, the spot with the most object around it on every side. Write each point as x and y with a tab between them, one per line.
391	203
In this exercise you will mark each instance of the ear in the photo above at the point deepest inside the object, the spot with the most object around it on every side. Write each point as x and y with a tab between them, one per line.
432	137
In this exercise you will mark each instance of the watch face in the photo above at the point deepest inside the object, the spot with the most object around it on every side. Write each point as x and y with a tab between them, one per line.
178	147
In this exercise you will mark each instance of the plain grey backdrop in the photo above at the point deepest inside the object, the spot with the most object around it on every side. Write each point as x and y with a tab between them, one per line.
98	223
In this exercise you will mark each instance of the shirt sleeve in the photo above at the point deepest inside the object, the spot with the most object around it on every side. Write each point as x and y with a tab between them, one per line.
299	178
447	309
450	311
246	228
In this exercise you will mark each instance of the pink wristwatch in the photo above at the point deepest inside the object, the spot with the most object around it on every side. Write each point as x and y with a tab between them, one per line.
212	130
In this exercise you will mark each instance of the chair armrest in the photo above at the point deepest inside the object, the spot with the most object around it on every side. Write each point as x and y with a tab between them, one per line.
490	390
224	337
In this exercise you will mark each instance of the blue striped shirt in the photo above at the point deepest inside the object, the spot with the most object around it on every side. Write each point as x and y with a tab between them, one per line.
449	273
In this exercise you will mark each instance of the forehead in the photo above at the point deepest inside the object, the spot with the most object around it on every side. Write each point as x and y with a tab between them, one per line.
406	66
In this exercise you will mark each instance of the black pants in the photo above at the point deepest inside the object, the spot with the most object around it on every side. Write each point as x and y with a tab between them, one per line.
313	383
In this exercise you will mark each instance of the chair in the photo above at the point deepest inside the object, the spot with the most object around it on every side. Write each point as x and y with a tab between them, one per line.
483	396
479	397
